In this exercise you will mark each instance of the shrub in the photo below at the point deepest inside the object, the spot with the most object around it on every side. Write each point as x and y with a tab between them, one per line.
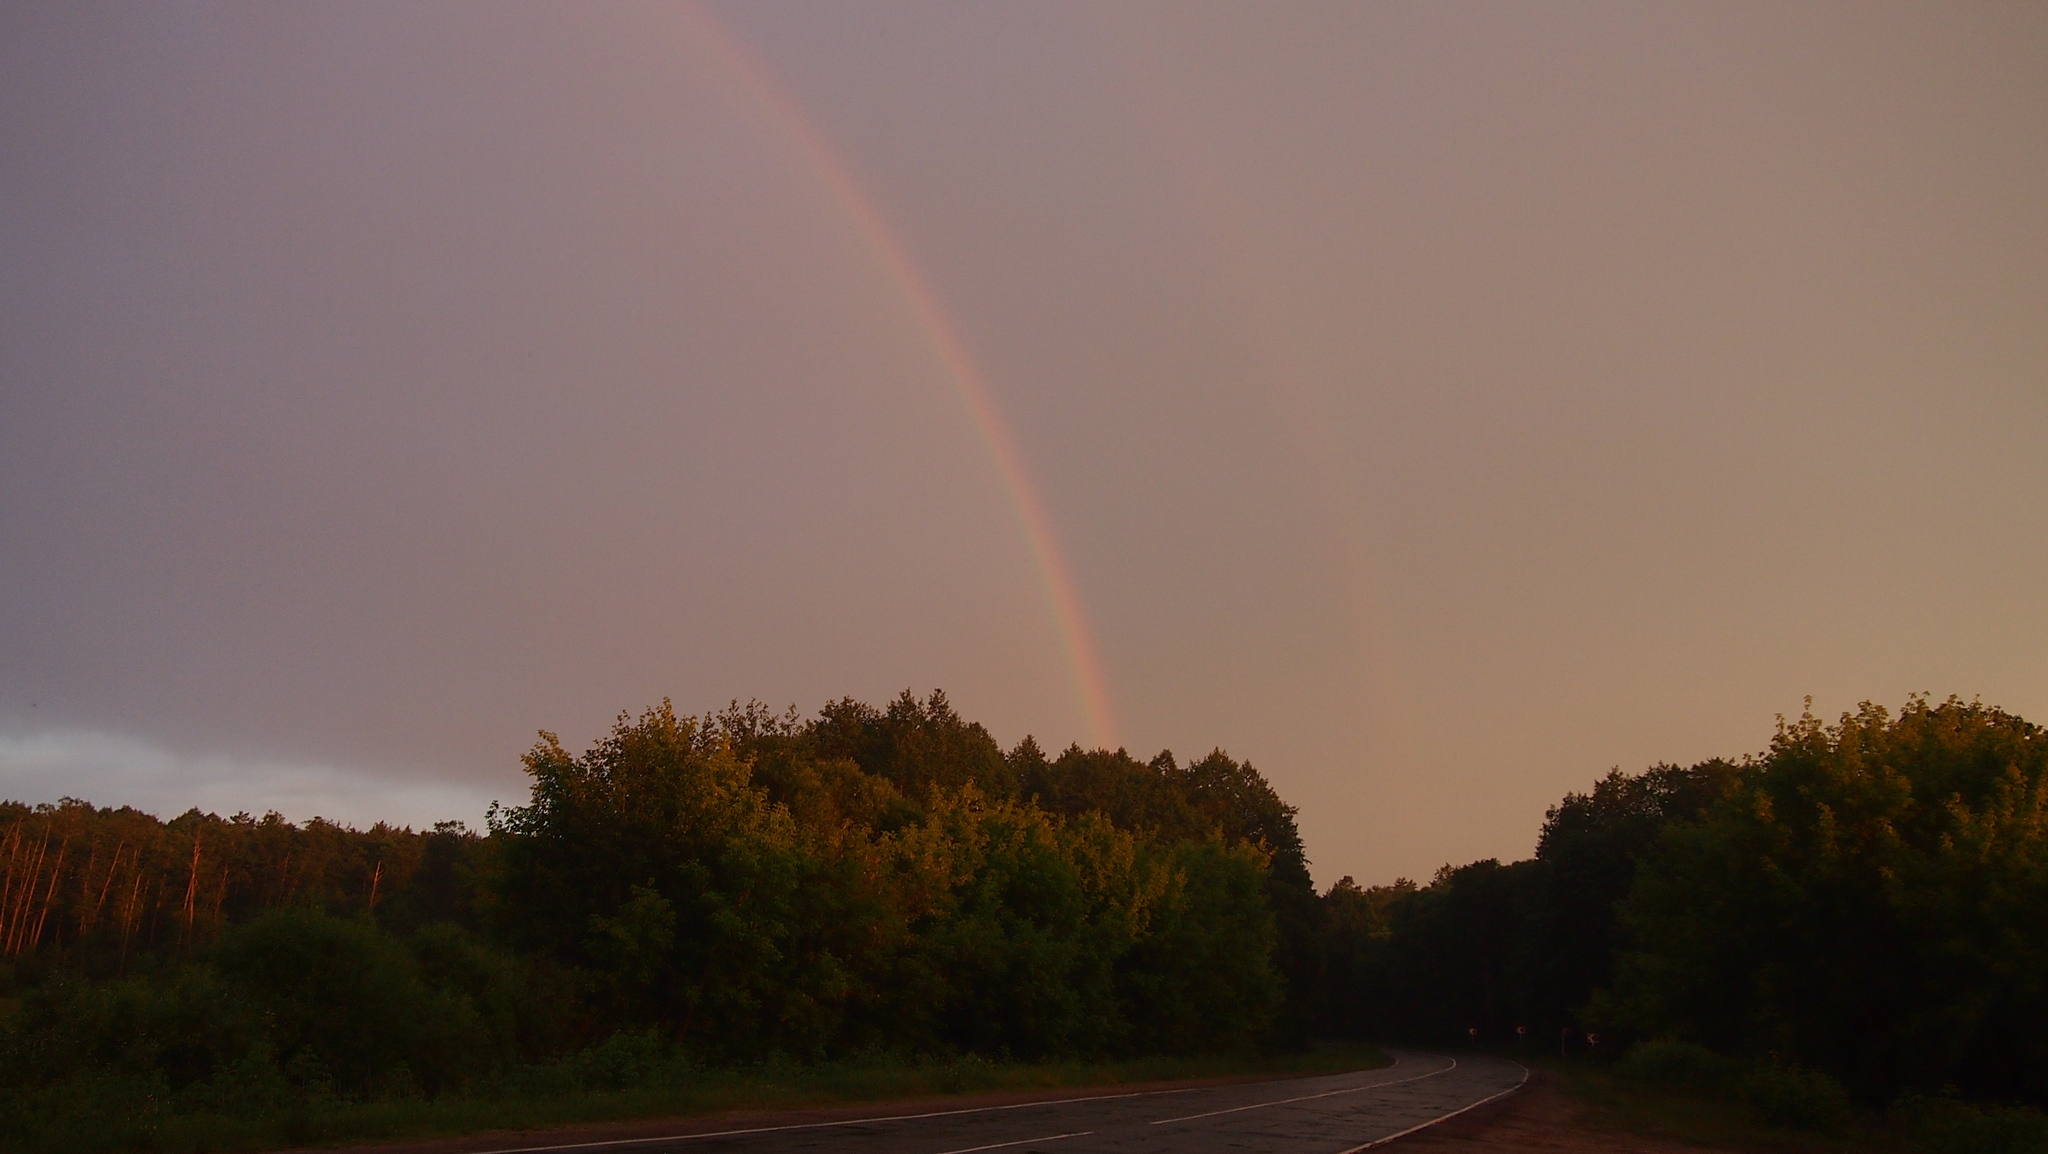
89	1111
1796	1097
1682	1065
346	1001
627	1058
1946	1126
182	1026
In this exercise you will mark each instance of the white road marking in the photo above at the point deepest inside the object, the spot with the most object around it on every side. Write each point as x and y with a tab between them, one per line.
841	1122
1019	1142
1445	1118
1310	1097
1025	1106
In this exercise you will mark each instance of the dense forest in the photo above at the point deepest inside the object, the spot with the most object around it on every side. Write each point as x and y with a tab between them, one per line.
740	887
1864	902
1867	900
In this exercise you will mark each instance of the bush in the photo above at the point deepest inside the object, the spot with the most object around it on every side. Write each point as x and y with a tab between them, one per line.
1680	1065
1796	1097
1946	1126
454	963
627	1058
346	1002
182	1027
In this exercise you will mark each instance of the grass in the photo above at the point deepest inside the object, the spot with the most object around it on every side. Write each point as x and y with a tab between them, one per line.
657	1087
1680	1091
1701	1119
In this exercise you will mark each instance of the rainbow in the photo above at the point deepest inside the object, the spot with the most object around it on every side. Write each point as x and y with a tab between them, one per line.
971	385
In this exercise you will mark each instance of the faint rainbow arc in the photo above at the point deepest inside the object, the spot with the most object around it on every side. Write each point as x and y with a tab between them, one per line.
960	366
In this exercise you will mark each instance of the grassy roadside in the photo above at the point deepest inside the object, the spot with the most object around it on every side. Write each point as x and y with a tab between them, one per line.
1699	1119
540	1097
1772	1109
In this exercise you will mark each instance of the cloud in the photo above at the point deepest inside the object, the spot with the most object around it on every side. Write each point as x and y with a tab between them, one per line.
112	769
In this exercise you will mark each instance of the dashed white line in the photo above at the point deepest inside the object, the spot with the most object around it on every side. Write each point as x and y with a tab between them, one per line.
841	1122
599	1145
1311	1097
1019	1142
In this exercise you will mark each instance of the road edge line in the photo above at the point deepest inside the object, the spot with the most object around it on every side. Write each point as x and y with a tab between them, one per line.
1445	1118
851	1121
1310	1097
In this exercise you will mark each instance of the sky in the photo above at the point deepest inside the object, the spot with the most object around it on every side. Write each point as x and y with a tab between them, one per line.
1436	405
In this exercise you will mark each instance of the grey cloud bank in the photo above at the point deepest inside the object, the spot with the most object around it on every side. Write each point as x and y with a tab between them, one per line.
112	770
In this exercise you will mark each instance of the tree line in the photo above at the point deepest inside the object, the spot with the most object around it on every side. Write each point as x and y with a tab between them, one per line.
85	887
1866	898
736	887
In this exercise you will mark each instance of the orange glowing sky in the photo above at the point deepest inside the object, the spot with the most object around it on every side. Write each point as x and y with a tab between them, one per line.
1436	405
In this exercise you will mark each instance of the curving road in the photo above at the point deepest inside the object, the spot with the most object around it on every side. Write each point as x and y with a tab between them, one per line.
1332	1114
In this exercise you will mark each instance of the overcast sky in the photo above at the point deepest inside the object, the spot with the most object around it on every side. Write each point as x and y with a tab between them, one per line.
1435	404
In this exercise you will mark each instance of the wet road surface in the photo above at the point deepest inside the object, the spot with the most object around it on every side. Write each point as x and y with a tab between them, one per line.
1326	1114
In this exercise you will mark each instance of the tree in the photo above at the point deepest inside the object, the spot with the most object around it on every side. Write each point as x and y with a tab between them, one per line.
1589	849
1871	899
654	863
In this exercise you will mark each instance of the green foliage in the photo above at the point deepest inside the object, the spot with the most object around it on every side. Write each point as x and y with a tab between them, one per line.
345	1003
1677	1065
100	890
504	998
888	889
655	865
1588	853
913	745
1505	947
1871	899
1868	900
1203	980
630	1075
1455	947
295	1002
739	891
1016	952
627	1058
752	885
1796	1098
1944	1125
738	887
1775	1093
1357	928
177	1027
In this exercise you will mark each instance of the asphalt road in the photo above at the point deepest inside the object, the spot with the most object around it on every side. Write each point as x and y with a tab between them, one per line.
1331	1114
